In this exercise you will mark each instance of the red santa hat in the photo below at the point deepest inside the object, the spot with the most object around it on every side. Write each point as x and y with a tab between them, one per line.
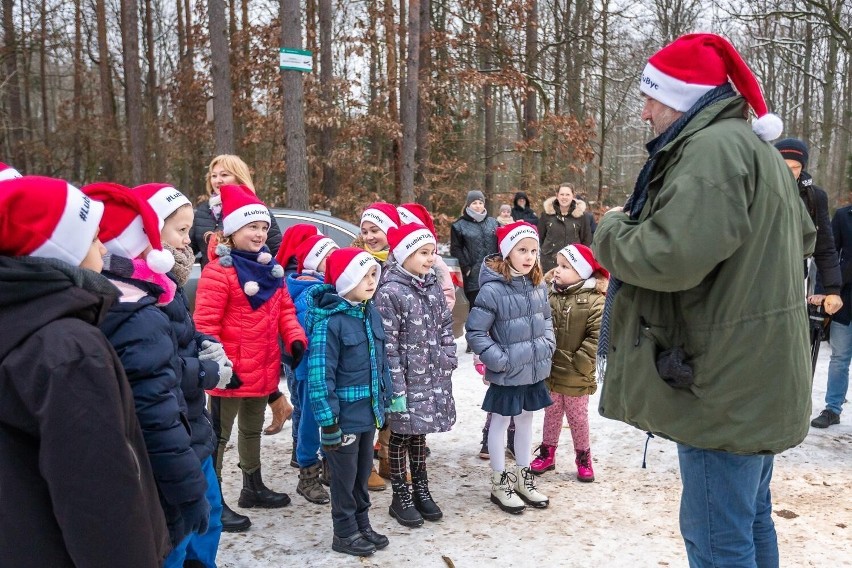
383	215
8	172
294	236
162	197
47	218
129	225
681	72
415	213
312	251
240	206
509	235
405	241
583	261
346	267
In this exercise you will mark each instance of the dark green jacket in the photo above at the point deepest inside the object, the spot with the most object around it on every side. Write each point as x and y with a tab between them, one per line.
713	264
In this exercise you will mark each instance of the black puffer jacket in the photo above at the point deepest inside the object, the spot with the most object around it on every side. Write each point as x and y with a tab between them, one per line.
76	487
524	213
557	231
470	243
205	222
825	253
196	375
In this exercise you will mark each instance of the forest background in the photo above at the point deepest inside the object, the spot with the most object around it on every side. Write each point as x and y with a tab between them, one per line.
406	100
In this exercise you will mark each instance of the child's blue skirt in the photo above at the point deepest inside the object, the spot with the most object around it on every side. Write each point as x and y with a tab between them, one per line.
510	401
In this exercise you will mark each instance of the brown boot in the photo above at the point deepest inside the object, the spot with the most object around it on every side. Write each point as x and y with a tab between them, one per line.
281	412
375	483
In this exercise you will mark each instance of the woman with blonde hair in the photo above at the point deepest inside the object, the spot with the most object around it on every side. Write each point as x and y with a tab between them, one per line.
224	169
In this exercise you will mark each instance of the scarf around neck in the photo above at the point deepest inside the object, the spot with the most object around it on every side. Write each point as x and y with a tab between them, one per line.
636	202
184	259
478	217
259	280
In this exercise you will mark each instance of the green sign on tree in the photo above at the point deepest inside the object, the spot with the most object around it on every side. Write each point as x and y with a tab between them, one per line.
295	60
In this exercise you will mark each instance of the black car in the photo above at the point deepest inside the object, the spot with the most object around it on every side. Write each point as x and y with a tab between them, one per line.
343	233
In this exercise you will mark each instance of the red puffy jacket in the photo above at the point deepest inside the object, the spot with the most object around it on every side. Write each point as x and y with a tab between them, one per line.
250	337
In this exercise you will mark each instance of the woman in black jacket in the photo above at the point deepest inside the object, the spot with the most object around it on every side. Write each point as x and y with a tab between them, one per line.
521	210
225	169
563	222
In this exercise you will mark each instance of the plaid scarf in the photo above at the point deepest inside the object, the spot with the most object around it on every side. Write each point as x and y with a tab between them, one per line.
316	326
636	202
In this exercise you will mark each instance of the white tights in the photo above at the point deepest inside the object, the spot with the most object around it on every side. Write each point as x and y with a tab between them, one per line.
497	439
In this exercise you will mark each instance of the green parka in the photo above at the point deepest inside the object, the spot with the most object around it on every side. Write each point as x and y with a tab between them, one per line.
576	314
712	264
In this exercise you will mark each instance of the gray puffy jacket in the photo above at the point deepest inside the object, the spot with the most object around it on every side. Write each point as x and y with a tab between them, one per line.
510	329
420	348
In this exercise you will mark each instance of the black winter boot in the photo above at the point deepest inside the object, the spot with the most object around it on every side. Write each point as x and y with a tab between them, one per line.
402	507
256	494
233	522
483	451
423	501
510	442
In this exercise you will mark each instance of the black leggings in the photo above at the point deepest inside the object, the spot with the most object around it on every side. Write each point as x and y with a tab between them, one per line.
415	444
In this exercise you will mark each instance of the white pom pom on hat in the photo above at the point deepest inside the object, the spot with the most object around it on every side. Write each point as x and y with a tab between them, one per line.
130	225
684	70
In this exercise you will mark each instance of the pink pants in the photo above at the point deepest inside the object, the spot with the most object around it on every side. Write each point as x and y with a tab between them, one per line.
576	410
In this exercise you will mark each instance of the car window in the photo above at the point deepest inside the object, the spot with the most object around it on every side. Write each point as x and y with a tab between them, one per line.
343	237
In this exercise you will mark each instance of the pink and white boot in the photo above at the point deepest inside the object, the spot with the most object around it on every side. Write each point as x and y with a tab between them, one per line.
584	466
545	461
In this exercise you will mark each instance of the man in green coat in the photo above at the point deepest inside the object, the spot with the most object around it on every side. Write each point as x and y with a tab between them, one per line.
704	338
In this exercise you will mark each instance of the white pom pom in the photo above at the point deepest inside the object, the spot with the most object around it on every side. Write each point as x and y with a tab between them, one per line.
160	261
264	258
223	250
768	127
226	261
251	288
277	271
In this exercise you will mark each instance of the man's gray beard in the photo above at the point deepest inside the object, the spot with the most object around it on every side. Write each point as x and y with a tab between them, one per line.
665	119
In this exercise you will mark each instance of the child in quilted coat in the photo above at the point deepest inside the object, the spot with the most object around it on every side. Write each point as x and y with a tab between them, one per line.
421	357
242	301
577	293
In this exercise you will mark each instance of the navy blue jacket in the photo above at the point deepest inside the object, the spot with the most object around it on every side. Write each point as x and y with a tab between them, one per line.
142	336
195	375
841	227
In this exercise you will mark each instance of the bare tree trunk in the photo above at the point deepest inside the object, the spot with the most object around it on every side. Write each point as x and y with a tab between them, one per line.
530	100
602	122
329	176
181	31
109	141
77	151
13	88
155	164
490	146
393	109
223	115
424	106
190	36
133	89
294	113
42	60
409	102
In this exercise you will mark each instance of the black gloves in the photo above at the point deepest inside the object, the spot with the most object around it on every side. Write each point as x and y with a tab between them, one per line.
235	382
297	351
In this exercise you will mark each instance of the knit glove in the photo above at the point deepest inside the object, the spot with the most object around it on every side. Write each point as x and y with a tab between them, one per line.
226	372
331	437
196	515
297	351
211	350
398	404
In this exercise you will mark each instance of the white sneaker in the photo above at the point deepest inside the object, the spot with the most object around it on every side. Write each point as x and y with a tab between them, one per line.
525	488
503	492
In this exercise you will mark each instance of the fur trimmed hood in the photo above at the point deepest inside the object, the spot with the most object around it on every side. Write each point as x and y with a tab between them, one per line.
579	207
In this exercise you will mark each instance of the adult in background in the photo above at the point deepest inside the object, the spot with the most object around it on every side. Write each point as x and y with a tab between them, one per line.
795	154
704	338
227	169
564	222
521	210
473	236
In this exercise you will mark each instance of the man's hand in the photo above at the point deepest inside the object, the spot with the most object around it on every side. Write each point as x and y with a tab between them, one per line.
614	210
832	304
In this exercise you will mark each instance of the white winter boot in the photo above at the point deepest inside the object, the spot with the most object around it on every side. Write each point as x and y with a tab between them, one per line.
503	492
525	488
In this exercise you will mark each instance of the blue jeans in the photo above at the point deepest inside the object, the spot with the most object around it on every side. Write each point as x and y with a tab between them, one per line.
290	375
202	547
726	509
838	366
309	430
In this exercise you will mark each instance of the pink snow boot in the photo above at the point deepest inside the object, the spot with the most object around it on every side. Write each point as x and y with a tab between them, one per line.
584	466
545	461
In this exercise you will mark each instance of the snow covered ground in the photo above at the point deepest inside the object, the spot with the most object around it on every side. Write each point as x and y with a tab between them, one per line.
626	518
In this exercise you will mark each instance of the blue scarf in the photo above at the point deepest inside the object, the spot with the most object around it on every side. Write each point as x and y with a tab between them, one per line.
636	202
250	270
